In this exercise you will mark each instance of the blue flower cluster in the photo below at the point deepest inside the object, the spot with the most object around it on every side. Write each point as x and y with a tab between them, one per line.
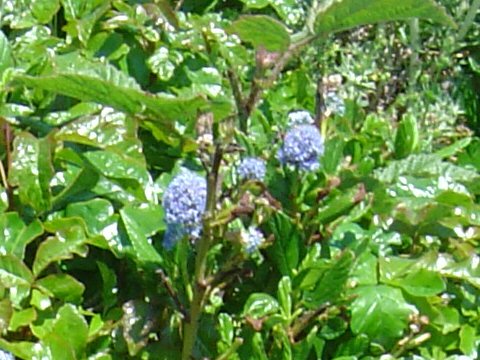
300	117
302	147
334	103
252	169
252	239
184	202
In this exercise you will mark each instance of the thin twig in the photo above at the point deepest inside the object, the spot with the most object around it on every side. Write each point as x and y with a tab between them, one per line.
173	294
179	4
259	85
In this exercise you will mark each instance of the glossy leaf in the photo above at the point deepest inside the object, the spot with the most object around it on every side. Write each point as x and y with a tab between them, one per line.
68	321
100	220
407	137
332	282
69	239
262	32
44	10
380	312
32	170
6	60
14	272
140	223
16	235
260	305
61	286
339	15
22	318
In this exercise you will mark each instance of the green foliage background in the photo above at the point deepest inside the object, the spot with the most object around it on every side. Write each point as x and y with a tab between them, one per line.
375	255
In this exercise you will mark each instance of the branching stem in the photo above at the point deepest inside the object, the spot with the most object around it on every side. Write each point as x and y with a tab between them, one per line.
200	289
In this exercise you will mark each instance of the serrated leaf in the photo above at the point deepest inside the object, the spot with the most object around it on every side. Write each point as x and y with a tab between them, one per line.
339	15
70	238
262	32
16	235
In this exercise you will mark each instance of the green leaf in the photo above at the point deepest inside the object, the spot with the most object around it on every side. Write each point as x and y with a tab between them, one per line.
454	148
338	15
40	300
69	239
16	235
365	270
468	340
425	166
6	60
61	286
262	32
44	10
260	305
140	223
225	328
5	314
407	137
104	84
284	295
68	321
256	4
100	220
380	312
123	174
421	283
108	129
32	170
82	181
332	282
13	272
285	249
22	318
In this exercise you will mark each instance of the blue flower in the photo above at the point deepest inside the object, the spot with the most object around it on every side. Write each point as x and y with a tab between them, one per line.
252	239
6	355
302	147
252	169
334	103
184	203
300	117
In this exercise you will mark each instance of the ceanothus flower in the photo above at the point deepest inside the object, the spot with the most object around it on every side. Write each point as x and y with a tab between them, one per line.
252	239
184	202
252	169
4	355
302	147
300	117
334	103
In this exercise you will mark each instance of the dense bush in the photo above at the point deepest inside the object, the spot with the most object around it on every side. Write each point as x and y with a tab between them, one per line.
241	179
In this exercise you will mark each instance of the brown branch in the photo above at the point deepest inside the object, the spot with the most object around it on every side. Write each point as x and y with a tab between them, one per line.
168	286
